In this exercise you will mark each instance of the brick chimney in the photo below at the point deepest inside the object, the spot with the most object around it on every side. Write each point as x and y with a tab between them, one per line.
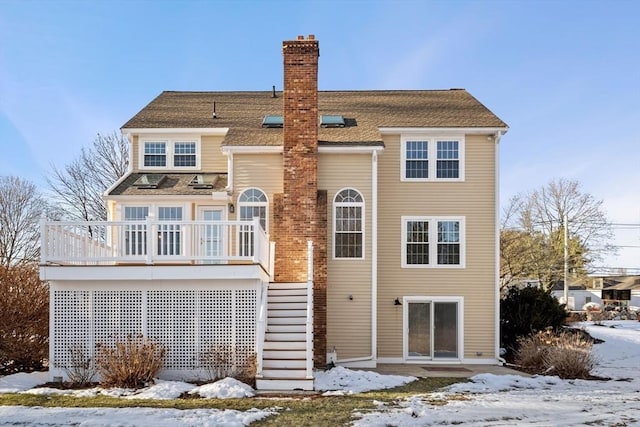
300	212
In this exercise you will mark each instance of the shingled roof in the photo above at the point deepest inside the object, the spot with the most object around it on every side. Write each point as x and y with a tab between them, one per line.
172	184
366	112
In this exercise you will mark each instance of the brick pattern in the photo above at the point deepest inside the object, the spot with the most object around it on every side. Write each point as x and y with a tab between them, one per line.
300	211
320	283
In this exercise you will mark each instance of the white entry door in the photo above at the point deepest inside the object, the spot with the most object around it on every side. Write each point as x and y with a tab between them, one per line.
211	235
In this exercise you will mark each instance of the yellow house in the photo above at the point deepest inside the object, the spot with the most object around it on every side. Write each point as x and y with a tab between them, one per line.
296	228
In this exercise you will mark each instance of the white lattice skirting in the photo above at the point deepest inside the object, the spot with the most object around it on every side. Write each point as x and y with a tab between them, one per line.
188	322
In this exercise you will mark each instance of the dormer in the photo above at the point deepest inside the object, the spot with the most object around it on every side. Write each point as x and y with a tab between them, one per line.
177	150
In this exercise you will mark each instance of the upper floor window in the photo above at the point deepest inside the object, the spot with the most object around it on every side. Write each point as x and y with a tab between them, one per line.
348	209
432	159
433	242
184	154
155	154
169	154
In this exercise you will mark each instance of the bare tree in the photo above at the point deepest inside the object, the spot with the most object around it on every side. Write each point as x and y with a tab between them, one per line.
532	233
21	207
78	187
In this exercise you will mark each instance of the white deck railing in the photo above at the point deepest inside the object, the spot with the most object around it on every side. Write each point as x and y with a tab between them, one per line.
152	241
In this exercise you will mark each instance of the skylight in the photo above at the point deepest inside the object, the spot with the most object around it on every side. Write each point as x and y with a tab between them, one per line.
149	180
331	121
204	180
272	121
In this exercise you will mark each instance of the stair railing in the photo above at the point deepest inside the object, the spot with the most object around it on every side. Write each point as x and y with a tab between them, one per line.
309	324
262	316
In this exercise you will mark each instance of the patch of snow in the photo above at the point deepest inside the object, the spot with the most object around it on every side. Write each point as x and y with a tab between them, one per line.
21	381
227	388
128	417
340	381
162	390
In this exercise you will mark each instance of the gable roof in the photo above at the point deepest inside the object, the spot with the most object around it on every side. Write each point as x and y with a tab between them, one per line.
367	111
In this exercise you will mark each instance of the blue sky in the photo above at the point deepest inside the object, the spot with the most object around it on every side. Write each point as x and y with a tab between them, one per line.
565	75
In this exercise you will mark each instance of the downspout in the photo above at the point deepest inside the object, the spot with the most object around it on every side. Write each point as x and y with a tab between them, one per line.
229	173
497	247
374	264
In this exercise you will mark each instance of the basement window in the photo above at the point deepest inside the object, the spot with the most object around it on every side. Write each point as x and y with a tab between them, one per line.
332	121
272	121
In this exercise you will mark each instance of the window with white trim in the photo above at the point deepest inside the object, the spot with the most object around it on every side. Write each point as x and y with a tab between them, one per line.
433	242
184	154
170	235
169	153
135	235
252	203
155	154
432	159
348	221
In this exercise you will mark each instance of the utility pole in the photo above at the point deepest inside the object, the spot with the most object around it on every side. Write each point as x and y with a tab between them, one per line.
566	259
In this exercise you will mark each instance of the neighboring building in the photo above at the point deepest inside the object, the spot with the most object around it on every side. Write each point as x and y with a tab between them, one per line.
207	242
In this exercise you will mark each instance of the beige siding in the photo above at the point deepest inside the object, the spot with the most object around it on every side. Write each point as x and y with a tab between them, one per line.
263	171
212	158
475	200
135	153
348	321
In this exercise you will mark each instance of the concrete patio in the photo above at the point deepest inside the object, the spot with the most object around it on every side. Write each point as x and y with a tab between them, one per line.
455	371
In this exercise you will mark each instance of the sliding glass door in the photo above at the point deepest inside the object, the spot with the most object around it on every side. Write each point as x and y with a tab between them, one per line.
431	329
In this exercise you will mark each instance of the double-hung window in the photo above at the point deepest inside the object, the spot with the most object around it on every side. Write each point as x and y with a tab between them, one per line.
170	233
348	209
184	154
135	235
432	159
155	154
433	242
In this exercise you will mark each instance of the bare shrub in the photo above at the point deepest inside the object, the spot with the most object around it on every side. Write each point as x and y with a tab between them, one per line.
597	317
130	364
82	370
531	352
24	319
218	361
567	355
571	357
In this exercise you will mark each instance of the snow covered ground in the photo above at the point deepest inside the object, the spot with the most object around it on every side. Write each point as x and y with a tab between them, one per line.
485	400
507	400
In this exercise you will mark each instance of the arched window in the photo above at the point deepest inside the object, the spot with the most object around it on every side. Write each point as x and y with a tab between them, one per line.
348	224
252	203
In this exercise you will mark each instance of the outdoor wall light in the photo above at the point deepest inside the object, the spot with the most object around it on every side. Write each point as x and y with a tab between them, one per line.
232	208
397	302
351	297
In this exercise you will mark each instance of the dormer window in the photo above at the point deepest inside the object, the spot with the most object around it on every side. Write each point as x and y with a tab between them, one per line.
155	154
170	153
184	154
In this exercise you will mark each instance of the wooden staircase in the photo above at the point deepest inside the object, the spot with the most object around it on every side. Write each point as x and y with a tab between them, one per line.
285	356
